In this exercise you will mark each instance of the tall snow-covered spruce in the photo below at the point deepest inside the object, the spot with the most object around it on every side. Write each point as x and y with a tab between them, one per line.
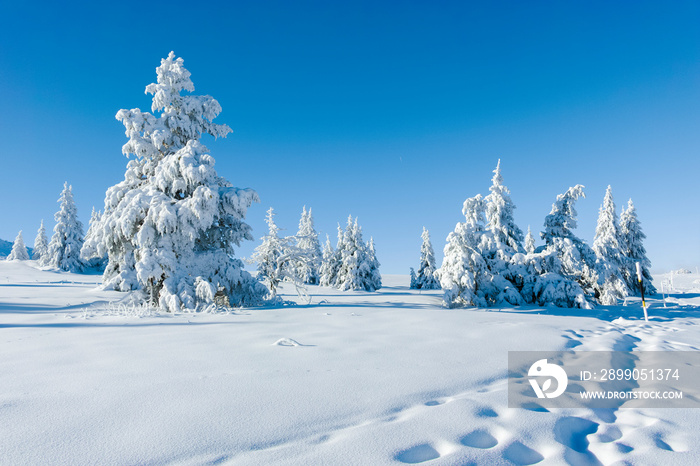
19	250
67	240
610	286
307	241
426	278
631	239
169	229
41	245
569	261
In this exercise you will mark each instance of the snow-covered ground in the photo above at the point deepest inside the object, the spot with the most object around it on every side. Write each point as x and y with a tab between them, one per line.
353	378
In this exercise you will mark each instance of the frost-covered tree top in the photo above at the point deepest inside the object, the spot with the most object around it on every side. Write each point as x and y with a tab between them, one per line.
170	227
562	219
182	118
41	244
67	240
19	250
499	214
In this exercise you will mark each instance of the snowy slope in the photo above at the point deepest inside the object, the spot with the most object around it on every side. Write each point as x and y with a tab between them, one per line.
354	378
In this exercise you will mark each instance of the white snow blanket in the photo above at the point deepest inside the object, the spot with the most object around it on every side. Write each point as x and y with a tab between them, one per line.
354	378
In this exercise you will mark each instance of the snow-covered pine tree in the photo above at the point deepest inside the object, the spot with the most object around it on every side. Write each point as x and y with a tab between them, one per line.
374	278
276	257
464	270
561	221
566	258
611	286
307	242
426	279
328	265
631	244
529	241
41	245
356	272
89	252
337	260
412	283
507	236
170	227
67	240
19	250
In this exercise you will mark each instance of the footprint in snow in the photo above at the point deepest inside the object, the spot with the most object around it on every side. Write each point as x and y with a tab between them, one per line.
479	439
418	454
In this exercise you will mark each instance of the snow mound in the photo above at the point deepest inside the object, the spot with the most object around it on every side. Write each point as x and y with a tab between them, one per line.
286	342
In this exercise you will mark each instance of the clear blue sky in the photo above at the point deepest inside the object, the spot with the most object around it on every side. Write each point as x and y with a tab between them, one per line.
391	111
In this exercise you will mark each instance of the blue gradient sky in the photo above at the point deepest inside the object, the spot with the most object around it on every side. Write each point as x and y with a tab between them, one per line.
391	112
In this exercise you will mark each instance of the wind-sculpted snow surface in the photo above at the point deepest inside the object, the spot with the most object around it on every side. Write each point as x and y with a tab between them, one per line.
380	378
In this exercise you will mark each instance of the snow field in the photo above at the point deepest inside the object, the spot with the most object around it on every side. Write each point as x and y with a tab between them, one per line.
354	378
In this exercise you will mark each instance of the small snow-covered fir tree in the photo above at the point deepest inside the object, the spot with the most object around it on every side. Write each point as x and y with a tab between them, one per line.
507	236
412	275
276	257
89	252
426	278
631	239
67	240
336	260
529	241
374	278
41	245
611	286
356	270
19	250
328	265
170	227
307	242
